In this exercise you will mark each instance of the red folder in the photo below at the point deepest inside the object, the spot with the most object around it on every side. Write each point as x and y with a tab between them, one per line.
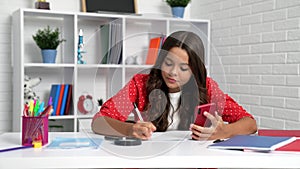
272	132
153	50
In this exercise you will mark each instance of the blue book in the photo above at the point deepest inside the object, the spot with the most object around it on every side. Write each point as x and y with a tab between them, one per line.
52	94
253	142
64	100
55	97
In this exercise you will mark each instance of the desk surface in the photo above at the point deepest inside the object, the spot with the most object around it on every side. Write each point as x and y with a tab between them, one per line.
164	150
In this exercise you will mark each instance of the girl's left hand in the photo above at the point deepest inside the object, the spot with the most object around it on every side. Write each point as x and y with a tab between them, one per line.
215	131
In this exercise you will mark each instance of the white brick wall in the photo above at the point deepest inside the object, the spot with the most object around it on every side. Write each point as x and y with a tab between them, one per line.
255	39
258	42
7	7
158	7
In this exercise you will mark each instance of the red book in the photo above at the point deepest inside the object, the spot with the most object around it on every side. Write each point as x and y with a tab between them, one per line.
153	50
293	146
64	100
61	94
282	133
69	101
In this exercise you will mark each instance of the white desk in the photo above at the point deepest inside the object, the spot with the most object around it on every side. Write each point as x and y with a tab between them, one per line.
160	152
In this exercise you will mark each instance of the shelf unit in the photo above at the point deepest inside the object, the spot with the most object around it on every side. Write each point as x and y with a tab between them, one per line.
99	80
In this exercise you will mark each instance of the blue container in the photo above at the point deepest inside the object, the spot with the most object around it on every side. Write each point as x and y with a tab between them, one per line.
49	55
178	11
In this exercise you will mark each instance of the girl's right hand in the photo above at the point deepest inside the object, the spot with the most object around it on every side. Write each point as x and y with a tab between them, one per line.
143	130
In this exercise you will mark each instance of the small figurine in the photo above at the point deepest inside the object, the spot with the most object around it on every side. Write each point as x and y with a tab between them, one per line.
80	48
42	4
29	84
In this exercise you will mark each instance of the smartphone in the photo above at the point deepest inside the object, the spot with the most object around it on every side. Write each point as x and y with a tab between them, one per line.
200	119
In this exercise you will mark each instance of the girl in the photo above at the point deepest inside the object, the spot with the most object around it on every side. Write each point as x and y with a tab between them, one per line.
168	95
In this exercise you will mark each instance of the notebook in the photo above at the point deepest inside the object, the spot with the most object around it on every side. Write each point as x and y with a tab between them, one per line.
291	147
253	142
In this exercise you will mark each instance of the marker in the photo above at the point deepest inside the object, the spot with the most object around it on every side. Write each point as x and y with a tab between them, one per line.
41	109
138	112
46	112
25	111
31	106
36	108
50	101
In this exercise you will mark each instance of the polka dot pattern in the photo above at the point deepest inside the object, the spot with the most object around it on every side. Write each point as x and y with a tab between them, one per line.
230	110
120	105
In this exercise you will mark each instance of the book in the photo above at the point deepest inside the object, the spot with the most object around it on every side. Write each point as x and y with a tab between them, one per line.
253	142
69	101
274	132
293	146
61	93
105	43
115	43
119	45
64	100
153	50
54	93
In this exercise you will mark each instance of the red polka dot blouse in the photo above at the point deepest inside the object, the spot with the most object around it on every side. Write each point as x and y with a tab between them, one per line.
120	106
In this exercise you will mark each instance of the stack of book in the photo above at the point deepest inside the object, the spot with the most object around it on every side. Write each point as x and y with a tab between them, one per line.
267	140
61	95
291	147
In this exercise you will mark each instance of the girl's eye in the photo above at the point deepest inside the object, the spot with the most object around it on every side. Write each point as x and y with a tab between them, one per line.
185	68
168	63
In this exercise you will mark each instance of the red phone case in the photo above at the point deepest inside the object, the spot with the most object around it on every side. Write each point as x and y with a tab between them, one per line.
200	119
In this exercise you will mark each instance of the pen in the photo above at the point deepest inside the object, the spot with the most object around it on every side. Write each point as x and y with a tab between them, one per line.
138	112
218	141
14	148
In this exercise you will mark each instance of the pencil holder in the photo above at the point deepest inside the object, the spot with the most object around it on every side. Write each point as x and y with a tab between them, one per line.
34	129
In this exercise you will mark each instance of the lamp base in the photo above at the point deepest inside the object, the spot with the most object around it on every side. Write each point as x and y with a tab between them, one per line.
42	5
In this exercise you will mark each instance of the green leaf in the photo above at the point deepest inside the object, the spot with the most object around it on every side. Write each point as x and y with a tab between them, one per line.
175	3
47	38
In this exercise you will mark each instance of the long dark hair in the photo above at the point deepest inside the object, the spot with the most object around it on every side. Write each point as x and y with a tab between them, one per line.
159	105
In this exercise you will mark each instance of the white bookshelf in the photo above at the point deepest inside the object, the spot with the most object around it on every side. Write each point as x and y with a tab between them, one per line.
99	80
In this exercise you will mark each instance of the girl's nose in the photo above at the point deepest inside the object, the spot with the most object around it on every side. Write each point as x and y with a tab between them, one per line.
173	71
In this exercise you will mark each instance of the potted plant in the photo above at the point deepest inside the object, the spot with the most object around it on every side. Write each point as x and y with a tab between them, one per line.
178	7
48	40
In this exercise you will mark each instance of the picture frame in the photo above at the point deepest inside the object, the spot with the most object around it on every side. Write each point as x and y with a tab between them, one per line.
128	7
